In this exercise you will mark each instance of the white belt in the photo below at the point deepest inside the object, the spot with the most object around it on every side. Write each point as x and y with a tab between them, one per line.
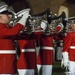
48	48
7	51
28	50
72	47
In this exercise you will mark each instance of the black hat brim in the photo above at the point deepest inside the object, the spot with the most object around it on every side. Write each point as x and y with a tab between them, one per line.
6	12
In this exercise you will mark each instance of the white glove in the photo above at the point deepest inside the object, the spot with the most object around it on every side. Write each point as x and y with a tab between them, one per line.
24	18
43	25
20	13
65	59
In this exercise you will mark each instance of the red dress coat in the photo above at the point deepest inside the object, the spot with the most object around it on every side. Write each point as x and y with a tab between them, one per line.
7	48
69	45
45	56
27	59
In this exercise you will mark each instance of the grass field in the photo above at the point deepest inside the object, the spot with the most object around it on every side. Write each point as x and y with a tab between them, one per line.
57	70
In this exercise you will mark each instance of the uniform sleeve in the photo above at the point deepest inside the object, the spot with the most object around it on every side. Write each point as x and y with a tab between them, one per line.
67	42
6	31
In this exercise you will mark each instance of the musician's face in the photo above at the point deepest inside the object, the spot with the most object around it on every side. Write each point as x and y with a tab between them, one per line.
73	27
4	18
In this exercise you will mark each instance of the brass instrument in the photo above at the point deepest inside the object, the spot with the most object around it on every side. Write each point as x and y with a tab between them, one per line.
53	24
34	24
69	24
56	26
